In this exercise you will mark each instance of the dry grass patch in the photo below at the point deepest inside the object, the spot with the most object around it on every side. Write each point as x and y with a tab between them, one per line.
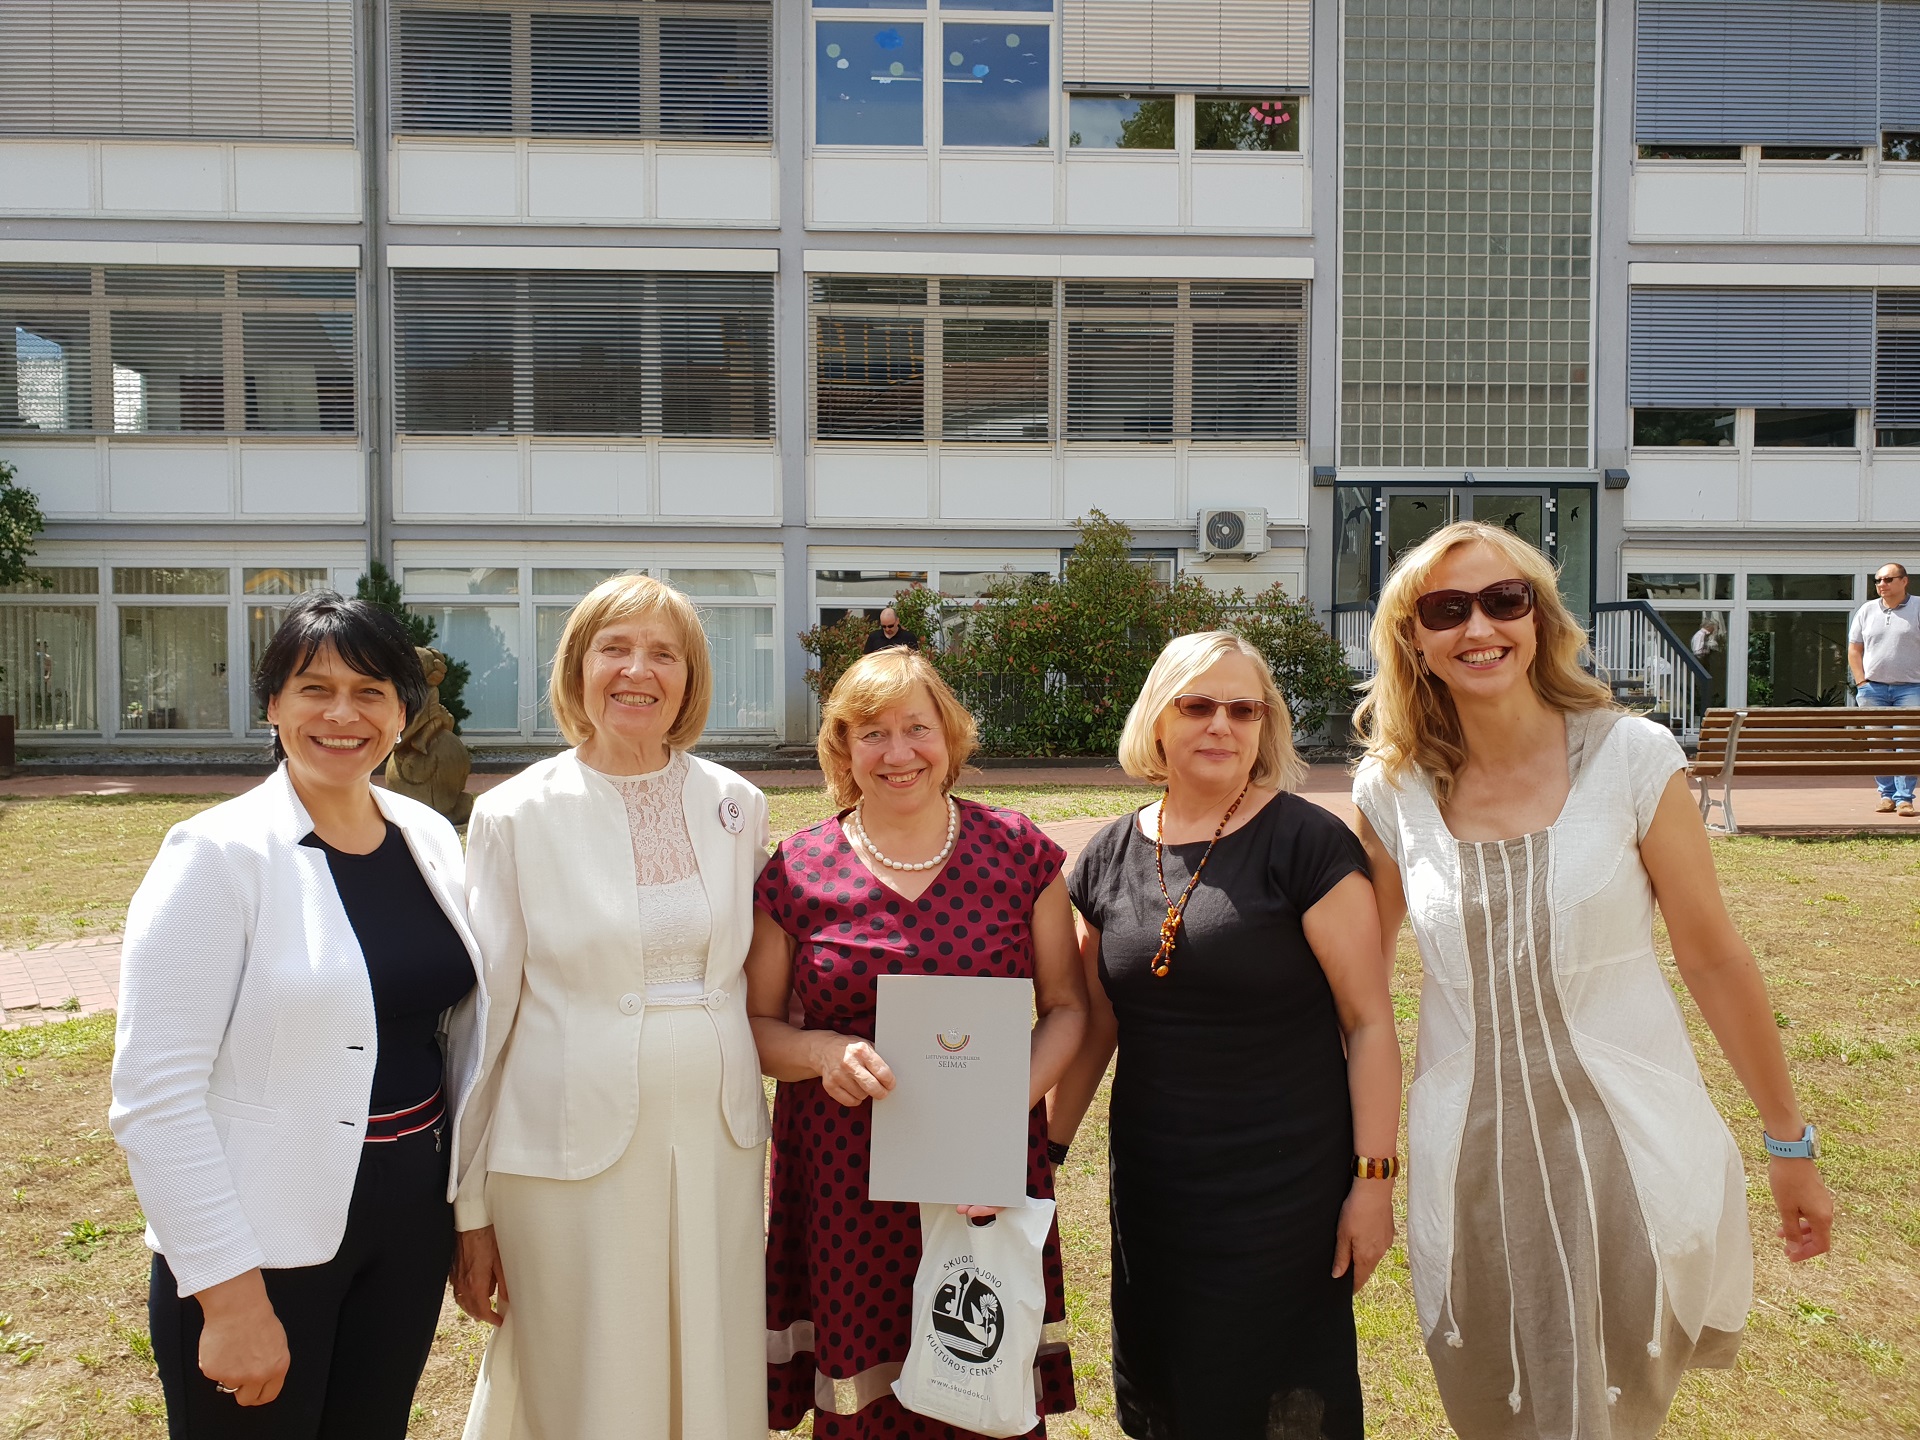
69	866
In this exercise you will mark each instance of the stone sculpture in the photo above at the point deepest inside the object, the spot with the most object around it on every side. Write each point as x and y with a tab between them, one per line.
431	763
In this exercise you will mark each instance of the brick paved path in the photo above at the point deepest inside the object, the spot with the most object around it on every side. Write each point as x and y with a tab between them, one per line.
57	982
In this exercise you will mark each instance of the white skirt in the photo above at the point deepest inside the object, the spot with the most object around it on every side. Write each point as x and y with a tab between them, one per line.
637	1297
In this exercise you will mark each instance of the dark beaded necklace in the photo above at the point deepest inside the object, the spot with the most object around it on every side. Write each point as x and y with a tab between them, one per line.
1176	909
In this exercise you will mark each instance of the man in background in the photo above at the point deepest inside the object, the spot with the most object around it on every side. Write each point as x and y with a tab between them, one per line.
1883	652
892	633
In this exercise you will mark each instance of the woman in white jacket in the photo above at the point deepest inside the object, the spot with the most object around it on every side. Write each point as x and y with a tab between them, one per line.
610	1195
299	1020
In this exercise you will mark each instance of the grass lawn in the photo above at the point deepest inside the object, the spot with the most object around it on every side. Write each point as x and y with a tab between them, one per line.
1833	1347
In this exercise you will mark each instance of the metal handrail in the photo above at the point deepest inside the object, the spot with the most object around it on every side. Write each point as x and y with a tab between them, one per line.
1675	644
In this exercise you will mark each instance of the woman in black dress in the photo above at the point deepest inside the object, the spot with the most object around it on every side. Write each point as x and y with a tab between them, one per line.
1233	956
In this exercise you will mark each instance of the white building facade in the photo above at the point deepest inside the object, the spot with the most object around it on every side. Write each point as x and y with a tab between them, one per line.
794	304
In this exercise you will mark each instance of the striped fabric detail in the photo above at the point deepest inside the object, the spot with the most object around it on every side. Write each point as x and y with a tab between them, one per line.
398	1124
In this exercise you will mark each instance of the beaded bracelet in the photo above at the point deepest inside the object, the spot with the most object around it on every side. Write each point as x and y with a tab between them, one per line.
1057	1152
1366	1169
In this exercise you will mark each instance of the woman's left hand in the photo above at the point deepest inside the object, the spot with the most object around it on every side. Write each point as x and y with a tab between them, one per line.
1366	1230
1805	1205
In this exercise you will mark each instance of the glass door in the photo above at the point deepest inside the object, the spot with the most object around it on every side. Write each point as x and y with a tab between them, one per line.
1411	516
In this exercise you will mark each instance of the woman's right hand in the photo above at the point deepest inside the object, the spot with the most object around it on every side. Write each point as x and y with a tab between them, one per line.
243	1346
851	1070
479	1281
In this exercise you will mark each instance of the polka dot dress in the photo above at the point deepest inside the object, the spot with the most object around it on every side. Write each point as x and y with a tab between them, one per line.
840	1267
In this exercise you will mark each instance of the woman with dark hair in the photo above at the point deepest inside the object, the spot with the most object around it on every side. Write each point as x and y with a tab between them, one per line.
299	1027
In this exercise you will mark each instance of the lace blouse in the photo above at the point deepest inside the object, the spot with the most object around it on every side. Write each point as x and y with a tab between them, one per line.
675	921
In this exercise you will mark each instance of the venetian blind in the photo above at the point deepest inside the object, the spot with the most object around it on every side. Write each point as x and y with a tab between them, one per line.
1900	65
1745	72
1896	361
561	352
1207	45
234	69
1771	349
640	68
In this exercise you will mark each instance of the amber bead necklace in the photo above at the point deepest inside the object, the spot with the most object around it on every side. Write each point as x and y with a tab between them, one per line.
1177	909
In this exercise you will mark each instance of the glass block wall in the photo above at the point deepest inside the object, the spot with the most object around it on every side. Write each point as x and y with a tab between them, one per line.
1467	232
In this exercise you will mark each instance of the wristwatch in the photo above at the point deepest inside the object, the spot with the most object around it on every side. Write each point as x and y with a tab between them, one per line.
1807	1147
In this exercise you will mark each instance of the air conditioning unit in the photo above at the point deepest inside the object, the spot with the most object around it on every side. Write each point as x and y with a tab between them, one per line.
1233	532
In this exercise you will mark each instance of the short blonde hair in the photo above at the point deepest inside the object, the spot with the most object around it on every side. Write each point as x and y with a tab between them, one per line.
631	597
1186	656
1407	717
873	685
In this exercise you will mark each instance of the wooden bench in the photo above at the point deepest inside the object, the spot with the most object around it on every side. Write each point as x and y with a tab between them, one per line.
1799	740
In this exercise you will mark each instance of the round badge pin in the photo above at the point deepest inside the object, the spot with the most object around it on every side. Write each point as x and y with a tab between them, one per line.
732	816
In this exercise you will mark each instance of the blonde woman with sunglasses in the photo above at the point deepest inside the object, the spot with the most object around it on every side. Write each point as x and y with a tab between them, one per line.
1232	956
1577	1220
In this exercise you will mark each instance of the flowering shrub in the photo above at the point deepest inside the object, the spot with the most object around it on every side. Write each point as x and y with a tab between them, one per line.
1051	666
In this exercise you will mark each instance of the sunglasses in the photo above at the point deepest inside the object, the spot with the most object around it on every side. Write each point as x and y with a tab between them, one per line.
1205	707
1450	609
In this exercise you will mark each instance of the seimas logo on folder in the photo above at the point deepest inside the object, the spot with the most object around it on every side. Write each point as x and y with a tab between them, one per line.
967	1321
952	1041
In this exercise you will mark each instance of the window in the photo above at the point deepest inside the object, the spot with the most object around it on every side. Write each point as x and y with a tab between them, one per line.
971	361
1811	152
1690	152
264	616
189	350
996	75
1220	46
1896	364
1684	427
1797	657
1661	587
1698	348
47	649
1256	123
173	657
232	69
1120	122
614	353
1894	146
1804	429
607	68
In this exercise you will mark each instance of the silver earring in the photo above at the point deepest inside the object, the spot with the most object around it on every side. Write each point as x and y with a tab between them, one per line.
1420	659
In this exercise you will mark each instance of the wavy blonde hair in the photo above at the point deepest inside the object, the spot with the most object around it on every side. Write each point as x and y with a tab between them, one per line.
1276	763
1407	717
872	685
631	597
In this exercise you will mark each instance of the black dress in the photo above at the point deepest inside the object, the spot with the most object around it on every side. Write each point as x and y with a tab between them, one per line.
1231	1135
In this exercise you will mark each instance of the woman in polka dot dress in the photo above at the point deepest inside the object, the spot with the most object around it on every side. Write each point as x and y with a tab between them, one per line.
905	880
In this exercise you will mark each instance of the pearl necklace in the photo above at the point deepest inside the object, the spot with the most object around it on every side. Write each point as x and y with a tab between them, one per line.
953	833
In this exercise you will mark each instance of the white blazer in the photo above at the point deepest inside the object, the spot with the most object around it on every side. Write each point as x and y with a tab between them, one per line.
244	1054
551	890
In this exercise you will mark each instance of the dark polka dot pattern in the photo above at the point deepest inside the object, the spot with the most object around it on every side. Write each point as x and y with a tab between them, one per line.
835	1258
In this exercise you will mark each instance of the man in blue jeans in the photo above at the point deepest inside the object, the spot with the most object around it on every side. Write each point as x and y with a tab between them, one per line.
1883	651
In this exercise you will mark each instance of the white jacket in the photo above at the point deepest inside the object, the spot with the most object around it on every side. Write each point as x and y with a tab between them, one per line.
244	1055
551	890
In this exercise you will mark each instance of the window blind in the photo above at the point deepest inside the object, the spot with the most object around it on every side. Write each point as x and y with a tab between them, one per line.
638	68
1744	72
970	361
1771	349
240	69
675	354
1186	44
185	350
1896	361
1900	65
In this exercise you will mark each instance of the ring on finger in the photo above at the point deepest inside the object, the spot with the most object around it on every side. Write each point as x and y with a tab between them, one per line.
226	1389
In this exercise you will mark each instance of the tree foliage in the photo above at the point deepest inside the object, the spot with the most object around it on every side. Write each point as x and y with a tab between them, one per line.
1050	666
379	589
20	521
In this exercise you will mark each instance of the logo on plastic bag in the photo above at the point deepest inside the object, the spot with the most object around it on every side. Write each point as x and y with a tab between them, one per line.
967	1318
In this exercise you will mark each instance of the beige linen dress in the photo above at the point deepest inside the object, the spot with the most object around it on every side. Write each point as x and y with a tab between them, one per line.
635	1295
1576	1211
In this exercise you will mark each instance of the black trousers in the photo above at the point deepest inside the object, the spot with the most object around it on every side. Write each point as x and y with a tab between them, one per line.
359	1327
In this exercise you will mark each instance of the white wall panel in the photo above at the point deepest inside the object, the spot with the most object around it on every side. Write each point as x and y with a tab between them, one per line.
708	185
1128	485
1798	490
1896	490
573	480
1238	480
860	484
857	190
1679	491
1672	202
302	480
1249	195
1007	486
66	478
455	180
720	482
608	184
1797	203
1900	202
296	180
460	480
169	480
46	177
1123	195
169	178
996	192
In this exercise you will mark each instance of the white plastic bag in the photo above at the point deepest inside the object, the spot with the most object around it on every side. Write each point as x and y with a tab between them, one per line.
979	1301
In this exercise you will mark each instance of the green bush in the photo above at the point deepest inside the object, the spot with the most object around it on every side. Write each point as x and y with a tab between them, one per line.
1051	666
